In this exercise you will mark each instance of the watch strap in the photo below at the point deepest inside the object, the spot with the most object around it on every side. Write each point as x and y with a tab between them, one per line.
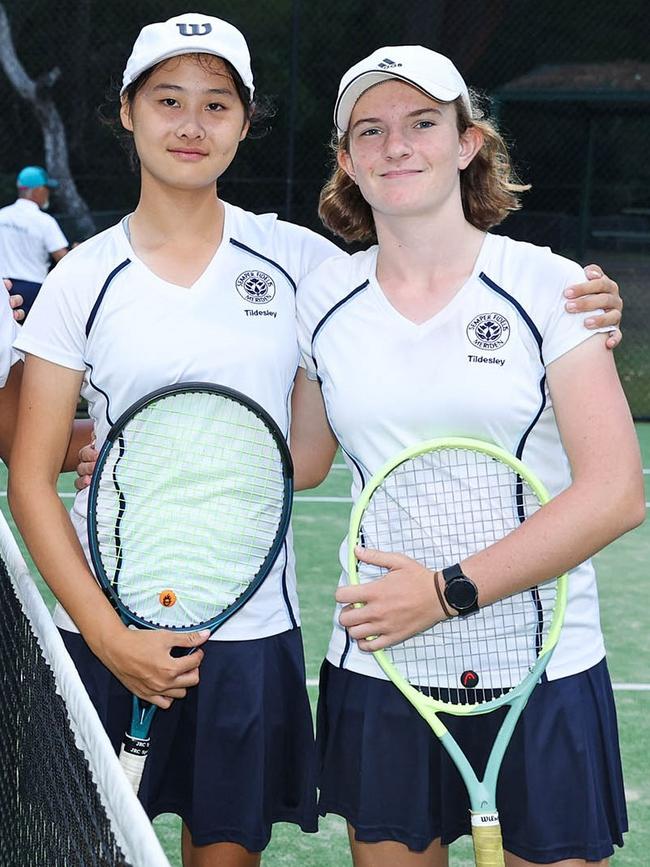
452	572
441	598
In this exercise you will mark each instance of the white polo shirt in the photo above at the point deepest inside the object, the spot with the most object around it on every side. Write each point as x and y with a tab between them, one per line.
27	237
476	369
103	312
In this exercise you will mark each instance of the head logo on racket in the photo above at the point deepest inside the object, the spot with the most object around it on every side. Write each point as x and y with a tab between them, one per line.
469	679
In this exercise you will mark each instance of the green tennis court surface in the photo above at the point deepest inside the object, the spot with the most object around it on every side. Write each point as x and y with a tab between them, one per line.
320	520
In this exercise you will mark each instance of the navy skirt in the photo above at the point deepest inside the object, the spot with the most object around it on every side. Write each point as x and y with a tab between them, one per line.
560	791
237	753
27	289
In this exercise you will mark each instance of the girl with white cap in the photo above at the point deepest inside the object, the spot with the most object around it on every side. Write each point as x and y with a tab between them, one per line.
187	287
392	358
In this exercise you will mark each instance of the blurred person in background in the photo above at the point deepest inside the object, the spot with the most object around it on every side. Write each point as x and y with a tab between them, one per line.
30	239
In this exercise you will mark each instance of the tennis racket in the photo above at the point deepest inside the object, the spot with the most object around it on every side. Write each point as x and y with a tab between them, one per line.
189	506
438	503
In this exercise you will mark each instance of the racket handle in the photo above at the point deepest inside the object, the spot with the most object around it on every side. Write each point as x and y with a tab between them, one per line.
486	836
133	755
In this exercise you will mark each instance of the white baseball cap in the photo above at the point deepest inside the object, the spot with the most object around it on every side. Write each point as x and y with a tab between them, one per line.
191	33
430	72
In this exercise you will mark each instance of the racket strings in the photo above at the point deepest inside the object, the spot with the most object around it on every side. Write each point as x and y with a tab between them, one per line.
439	508
190	501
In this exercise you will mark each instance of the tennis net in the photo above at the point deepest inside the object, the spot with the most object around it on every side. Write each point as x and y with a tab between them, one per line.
64	801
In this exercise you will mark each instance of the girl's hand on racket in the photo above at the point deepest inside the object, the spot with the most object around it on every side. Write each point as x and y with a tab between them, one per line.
141	659
393	608
87	459
597	293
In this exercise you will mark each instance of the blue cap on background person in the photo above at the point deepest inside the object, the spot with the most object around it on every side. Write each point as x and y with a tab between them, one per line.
35	176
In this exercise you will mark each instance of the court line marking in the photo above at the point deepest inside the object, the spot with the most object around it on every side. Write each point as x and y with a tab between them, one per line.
632	687
299	499
68	495
618	687
65	495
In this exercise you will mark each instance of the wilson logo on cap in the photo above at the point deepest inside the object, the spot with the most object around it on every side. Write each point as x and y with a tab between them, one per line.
194	29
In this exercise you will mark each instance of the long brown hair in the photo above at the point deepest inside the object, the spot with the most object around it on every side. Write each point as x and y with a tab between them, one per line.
489	186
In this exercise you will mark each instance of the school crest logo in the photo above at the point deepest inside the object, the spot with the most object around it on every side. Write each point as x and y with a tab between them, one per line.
255	287
488	331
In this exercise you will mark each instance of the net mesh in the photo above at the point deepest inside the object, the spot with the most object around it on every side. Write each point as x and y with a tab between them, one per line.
64	801
192	498
439	508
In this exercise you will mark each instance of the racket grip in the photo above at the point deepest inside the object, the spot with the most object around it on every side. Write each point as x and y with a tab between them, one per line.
486	836
133	756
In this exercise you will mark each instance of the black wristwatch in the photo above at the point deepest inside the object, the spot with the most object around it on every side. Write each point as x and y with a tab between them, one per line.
460	591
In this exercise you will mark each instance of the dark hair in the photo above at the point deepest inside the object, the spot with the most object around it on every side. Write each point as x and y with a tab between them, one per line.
259	112
489	186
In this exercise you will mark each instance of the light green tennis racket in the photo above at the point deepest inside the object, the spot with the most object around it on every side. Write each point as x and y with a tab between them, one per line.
438	503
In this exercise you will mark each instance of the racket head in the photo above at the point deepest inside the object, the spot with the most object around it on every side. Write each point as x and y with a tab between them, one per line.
440	502
189	505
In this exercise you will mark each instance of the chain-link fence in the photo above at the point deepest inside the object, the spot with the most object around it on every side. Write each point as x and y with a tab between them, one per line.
570	84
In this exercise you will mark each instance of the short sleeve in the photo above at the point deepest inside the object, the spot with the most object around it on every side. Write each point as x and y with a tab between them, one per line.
322	291
54	238
307	314
563	331
55	327
304	249
306	359
8	332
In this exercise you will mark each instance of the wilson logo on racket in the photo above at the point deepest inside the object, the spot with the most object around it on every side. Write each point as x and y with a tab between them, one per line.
256	287
488	331
167	598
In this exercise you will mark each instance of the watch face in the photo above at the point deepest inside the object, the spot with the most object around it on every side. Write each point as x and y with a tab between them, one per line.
461	593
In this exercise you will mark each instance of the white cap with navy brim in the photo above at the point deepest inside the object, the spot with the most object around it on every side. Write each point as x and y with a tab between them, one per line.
191	33
430	72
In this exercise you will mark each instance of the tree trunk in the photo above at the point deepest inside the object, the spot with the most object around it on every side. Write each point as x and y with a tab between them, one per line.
37	93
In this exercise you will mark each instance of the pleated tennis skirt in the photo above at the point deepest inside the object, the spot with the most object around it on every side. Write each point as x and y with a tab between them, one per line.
237	753
560	791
